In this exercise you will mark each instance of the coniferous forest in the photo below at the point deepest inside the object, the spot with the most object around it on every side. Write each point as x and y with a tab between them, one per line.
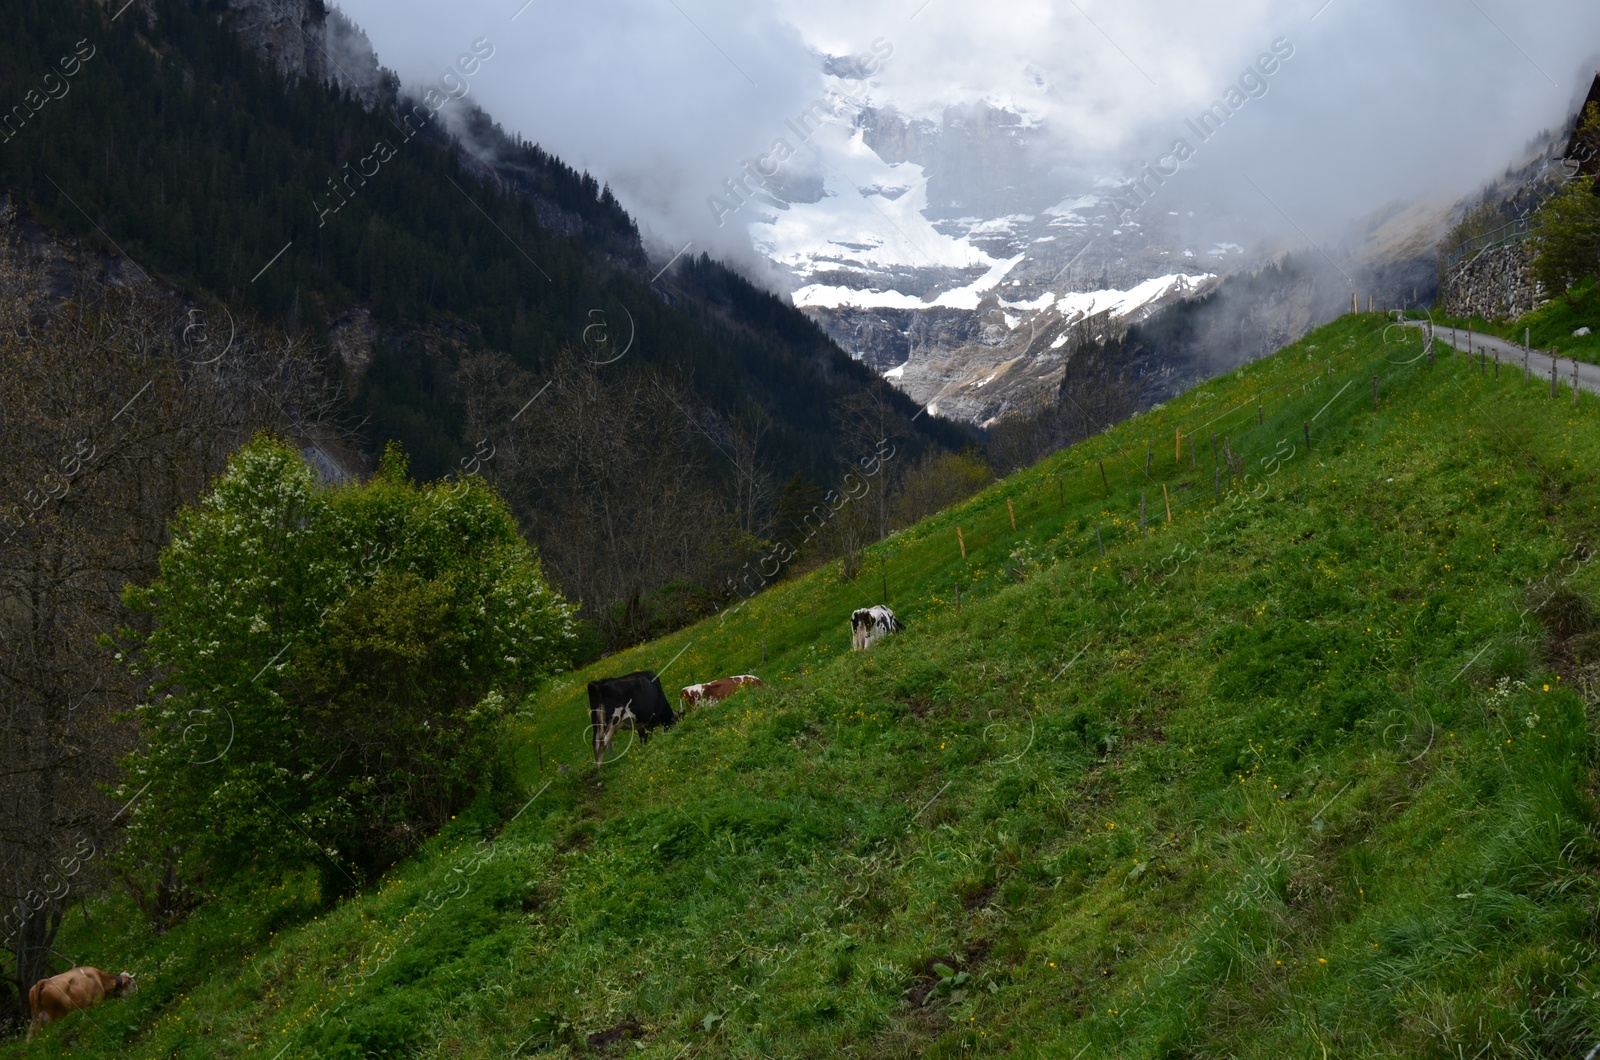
293	202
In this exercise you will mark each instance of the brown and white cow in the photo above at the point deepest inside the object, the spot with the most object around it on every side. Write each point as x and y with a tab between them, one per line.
714	691
52	998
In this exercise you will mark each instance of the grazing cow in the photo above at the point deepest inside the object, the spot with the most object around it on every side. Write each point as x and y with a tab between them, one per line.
52	998
870	623
714	691
634	701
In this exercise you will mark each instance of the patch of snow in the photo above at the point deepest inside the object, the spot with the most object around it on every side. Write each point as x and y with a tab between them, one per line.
823	296
870	216
1077	305
1070	206
1000	226
1044	301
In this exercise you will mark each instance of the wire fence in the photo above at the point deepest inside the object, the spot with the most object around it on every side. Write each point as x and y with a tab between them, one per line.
1515	232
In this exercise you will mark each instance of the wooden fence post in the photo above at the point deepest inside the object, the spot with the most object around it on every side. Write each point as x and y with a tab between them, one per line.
1011	512
1167	500
1177	445
1307	425
1149	453
1260	415
1217	487
962	542
1574	382
1103	480
1553	350
1141	511
1354	302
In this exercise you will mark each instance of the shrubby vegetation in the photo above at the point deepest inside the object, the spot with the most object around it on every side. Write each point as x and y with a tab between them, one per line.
1567	227
331	669
117	406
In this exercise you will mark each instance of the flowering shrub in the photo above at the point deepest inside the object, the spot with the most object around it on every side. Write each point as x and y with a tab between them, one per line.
329	667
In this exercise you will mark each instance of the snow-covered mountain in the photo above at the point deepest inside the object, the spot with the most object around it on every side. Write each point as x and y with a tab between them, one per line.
954	256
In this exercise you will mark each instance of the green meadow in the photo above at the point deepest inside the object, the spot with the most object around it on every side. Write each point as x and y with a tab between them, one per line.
1302	766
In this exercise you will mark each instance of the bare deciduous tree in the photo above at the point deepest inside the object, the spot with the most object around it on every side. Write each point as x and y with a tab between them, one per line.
611	472
116	407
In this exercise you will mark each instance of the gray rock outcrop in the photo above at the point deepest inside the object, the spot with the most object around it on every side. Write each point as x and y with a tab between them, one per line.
303	38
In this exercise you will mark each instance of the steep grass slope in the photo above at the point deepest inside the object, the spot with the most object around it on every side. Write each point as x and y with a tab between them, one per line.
1300	772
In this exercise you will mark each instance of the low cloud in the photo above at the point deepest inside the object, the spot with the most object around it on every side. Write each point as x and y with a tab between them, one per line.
668	101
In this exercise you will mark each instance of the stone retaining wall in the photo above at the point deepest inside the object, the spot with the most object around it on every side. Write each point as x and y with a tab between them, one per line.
1496	284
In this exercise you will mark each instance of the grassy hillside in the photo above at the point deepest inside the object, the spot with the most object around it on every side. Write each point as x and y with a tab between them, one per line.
1305	771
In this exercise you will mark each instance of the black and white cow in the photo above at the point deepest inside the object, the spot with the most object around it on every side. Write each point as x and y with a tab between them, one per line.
870	623
634	701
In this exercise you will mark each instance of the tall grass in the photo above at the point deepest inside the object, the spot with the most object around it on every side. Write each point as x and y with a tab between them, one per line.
1278	778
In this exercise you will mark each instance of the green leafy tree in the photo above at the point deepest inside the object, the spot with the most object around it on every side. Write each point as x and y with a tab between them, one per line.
1567	227
1585	147
1567	234
330	668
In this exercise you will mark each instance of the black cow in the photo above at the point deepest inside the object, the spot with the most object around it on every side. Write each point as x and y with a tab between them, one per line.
634	701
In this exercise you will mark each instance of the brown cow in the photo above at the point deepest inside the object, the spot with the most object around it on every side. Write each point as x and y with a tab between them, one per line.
713	691
52	998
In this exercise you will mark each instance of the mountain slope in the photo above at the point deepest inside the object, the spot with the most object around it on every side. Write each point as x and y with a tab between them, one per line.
1303	771
176	145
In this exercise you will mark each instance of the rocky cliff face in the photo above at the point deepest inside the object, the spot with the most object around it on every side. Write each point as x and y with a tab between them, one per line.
981	364
302	38
951	252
